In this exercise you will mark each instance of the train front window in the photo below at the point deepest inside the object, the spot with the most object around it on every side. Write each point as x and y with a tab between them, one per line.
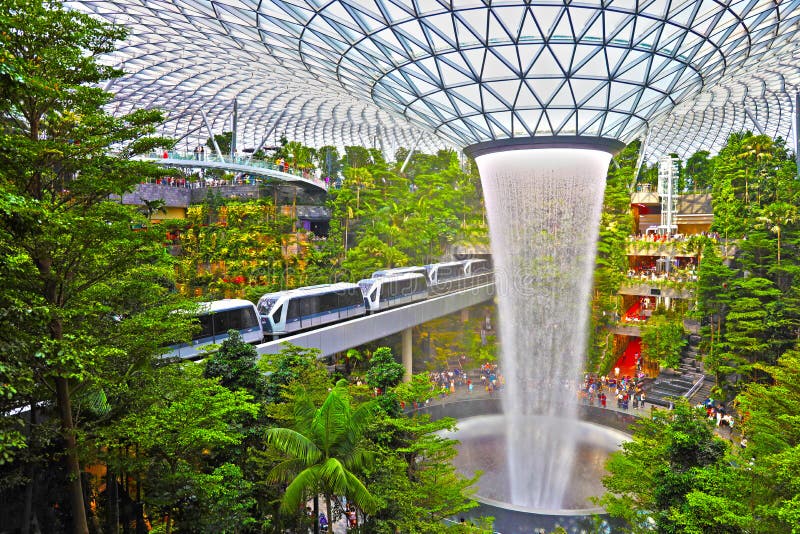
265	305
276	315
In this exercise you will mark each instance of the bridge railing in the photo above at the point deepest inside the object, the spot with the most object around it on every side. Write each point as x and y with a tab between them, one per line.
212	157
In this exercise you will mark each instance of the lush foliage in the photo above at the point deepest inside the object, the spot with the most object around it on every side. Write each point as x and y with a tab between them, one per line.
239	249
773	415
323	449
384	372
413	477
86	285
663	338
675	476
616	225
748	302
384	219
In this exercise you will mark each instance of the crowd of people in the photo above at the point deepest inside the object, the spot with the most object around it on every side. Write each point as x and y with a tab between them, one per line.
625	392
653	237
449	381
717	413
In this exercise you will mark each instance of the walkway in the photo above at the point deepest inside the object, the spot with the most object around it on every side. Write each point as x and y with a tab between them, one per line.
462	394
627	362
237	164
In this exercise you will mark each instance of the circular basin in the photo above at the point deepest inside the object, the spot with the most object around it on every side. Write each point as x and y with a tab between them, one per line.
482	447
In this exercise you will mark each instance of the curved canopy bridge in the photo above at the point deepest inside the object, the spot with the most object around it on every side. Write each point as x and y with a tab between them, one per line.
237	164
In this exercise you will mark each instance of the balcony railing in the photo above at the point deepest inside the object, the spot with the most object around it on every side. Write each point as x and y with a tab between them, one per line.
246	161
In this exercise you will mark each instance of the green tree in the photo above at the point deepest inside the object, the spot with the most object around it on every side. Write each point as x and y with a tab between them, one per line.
418	389
384	372
413	476
235	365
359	178
57	175
772	410
292	364
223	140
324	452
748	337
355	157
328	160
178	421
775	217
675	476
698	171
663	339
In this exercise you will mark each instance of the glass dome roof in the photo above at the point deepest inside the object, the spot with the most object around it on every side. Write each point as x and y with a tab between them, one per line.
456	73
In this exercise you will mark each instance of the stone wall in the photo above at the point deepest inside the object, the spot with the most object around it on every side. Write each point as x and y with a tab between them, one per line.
179	197
238	192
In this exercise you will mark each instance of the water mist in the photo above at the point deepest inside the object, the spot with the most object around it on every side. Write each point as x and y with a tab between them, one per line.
544	209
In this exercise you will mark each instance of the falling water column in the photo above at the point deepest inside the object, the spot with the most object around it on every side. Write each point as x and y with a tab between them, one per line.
543	201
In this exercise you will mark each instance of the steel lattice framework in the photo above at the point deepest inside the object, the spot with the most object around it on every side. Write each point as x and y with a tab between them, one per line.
680	72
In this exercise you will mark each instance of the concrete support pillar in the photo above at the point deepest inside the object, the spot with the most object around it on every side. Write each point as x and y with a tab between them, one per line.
407	356
465	315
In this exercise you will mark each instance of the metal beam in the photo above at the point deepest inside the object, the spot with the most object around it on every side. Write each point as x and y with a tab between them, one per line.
187	134
639	160
797	132
754	121
234	126
411	152
266	135
211	135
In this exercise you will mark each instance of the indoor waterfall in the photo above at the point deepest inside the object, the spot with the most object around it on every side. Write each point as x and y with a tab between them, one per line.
543	207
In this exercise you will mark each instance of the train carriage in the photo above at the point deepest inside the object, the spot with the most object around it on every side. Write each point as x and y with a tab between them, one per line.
295	310
399	270
216	318
391	291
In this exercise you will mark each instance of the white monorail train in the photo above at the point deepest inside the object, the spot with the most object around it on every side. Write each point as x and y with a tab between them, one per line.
382	293
295	310
287	312
216	319
439	273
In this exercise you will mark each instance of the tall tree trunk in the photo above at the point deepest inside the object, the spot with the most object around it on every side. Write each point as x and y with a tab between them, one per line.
140	526
316	514
29	487
75	488
328	510
346	222
112	497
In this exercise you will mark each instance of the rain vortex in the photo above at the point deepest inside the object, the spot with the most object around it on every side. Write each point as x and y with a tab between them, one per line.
543	208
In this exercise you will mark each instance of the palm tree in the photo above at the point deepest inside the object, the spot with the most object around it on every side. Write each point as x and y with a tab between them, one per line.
294	151
774	217
362	178
757	151
324	449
